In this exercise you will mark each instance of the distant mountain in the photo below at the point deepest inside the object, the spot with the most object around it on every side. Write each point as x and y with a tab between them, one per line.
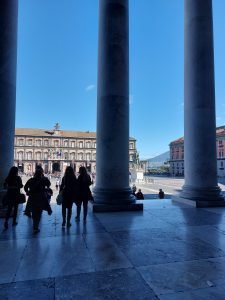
158	160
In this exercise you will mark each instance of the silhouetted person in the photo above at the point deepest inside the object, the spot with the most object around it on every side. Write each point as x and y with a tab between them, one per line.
161	194
139	195
35	188
13	184
68	186
83	192
57	184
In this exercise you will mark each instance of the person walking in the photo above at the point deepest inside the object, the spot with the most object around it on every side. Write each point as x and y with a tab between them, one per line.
35	188
13	184
68	188
83	193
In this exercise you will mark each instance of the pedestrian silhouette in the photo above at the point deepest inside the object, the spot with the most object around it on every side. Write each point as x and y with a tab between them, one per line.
68	188
35	188
13	184
83	193
161	194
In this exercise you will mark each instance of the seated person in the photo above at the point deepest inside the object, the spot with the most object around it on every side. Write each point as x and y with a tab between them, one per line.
139	195
161	194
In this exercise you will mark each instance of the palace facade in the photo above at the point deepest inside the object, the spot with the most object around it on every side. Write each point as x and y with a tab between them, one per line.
177	154
56	149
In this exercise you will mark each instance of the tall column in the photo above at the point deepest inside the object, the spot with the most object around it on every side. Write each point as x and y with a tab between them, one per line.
8	56
199	107
112	161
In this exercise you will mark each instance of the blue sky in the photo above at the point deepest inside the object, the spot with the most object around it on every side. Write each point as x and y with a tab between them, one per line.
57	68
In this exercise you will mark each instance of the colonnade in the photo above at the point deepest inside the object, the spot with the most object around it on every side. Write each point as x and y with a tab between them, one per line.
112	191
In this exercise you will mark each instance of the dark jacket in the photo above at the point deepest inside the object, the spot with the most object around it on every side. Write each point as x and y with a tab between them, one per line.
83	188
69	188
35	188
139	196
13	186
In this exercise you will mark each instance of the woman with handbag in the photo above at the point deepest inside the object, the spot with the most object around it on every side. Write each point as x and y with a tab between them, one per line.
13	184
68	190
35	188
83	193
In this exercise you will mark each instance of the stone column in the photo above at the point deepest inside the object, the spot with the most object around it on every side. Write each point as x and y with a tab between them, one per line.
112	161
8	60
199	107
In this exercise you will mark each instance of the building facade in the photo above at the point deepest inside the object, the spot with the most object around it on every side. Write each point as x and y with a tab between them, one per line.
177	154
56	149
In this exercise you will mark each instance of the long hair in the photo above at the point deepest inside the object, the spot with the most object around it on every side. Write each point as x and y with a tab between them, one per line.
13	172
84	177
69	173
38	172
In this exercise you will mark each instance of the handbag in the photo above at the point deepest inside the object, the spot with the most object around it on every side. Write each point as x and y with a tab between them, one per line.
59	198
21	198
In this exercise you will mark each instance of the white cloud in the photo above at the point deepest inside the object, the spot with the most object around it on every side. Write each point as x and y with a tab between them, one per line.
89	87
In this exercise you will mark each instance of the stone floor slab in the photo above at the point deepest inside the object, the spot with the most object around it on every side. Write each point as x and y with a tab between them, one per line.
105	253
33	289
11	253
184	276
123	284
211	293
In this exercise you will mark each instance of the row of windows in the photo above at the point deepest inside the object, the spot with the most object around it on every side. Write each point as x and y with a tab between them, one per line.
177	156
46	155
56	143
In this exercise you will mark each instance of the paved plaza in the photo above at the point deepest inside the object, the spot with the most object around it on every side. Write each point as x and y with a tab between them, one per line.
170	185
169	251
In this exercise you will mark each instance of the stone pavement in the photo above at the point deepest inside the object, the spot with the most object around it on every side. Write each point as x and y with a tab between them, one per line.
167	252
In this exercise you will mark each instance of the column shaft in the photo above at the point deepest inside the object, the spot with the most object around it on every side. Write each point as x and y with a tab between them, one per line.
199	104
112	161
8	60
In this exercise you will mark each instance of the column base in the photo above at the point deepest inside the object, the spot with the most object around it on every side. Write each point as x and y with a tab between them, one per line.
116	207
106	200
113	197
200	197
199	203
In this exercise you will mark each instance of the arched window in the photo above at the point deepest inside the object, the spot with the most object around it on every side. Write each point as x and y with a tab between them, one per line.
45	155
72	156
94	156
131	146
66	143
29	142
88	156
20	155
73	144
80	156
21	142
66	156
56	143
88	144
29	155
38	142
80	144
38	155
46	143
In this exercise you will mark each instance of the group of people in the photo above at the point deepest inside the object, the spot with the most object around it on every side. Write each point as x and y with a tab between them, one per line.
139	195
73	189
